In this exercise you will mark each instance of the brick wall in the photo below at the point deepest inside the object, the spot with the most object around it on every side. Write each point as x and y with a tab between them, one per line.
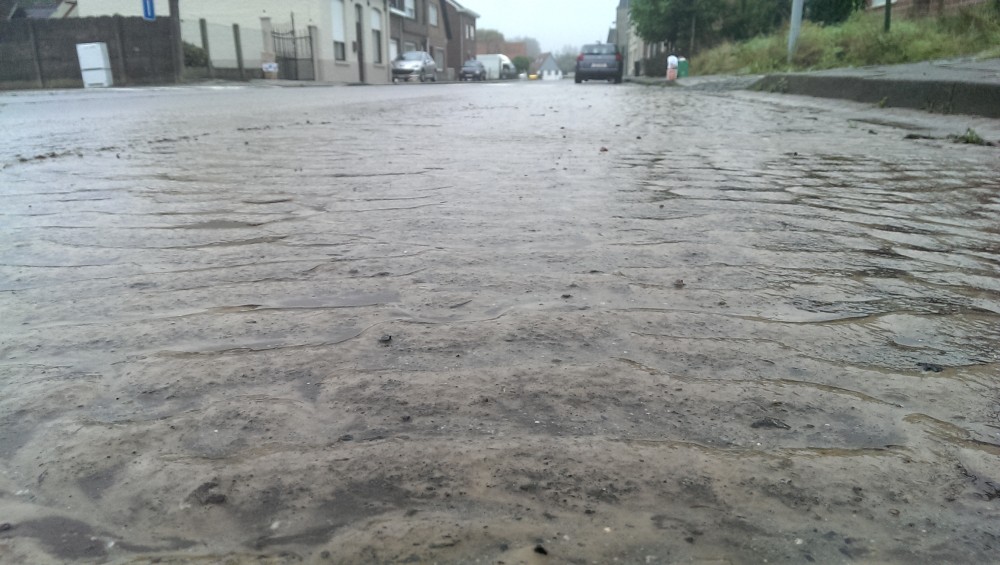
140	51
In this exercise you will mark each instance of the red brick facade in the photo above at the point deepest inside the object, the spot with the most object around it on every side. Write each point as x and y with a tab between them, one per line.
509	48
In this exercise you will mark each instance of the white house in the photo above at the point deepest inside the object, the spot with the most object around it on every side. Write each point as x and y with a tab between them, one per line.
350	39
549	69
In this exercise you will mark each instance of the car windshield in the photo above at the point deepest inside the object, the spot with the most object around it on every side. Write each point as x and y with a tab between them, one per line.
604	49
472	63
412	56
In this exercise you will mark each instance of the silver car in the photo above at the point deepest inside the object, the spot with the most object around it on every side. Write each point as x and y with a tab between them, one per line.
414	64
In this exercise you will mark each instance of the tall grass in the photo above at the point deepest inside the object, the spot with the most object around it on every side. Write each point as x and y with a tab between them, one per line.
861	41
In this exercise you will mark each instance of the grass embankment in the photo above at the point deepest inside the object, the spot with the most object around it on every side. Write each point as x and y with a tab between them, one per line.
861	41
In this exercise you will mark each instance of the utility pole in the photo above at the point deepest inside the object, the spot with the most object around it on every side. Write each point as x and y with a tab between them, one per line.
796	25
888	14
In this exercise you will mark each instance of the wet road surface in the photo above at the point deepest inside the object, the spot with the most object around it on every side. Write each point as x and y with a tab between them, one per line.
515	323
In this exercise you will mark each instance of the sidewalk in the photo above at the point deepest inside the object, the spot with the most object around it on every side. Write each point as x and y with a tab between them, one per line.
956	86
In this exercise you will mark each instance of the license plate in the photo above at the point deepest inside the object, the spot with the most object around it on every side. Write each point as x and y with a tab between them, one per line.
599	65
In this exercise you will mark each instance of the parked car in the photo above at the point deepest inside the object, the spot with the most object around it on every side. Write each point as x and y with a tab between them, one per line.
600	61
411	64
472	70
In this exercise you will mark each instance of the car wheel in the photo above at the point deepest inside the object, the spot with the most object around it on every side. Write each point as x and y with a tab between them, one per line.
577	79
422	77
618	80
434	77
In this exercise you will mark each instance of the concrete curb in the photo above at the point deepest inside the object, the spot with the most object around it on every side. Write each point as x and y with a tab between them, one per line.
650	81
939	96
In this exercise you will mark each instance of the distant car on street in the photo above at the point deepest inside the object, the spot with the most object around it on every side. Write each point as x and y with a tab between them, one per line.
601	61
411	64
472	70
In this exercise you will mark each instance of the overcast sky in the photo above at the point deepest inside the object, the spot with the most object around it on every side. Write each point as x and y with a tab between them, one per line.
554	23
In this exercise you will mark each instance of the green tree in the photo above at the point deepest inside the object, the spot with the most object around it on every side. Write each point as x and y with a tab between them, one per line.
522	63
828	12
490	40
747	19
531	46
652	20
566	58
682	24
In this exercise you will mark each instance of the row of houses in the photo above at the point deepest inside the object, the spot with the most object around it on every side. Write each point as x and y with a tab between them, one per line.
348	40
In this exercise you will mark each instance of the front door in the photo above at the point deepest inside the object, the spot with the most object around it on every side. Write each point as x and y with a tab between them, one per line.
360	41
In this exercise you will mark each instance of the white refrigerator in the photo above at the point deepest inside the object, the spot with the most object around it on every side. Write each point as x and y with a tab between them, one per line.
94	65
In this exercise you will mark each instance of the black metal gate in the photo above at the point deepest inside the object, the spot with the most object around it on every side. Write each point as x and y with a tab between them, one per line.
294	55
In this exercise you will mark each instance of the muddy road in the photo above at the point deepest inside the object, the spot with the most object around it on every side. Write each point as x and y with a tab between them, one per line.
518	323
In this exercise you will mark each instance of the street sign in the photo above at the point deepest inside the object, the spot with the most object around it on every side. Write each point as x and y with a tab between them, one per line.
148	11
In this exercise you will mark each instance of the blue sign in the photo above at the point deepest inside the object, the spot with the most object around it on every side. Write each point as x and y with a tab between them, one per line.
148	11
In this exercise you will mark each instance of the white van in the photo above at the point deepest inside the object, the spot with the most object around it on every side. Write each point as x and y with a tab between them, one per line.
498	66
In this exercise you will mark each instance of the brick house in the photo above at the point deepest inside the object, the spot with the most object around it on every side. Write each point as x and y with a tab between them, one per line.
509	48
460	24
349	38
418	25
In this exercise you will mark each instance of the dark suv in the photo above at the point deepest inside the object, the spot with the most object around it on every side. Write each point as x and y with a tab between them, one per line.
600	61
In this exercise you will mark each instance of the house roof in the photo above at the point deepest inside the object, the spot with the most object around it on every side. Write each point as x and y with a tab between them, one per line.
462	9
544	62
549	64
41	12
10	9
7	8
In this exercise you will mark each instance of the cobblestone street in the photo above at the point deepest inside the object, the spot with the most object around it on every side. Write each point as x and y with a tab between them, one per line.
522	322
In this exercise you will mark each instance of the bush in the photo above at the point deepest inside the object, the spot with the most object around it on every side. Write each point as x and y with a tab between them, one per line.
860	41
522	63
194	56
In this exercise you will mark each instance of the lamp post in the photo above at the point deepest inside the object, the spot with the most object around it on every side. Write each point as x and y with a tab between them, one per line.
796	25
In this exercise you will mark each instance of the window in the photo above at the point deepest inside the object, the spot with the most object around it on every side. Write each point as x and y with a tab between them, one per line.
409	46
337	27
432	14
376	35
879	3
439	58
411	9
